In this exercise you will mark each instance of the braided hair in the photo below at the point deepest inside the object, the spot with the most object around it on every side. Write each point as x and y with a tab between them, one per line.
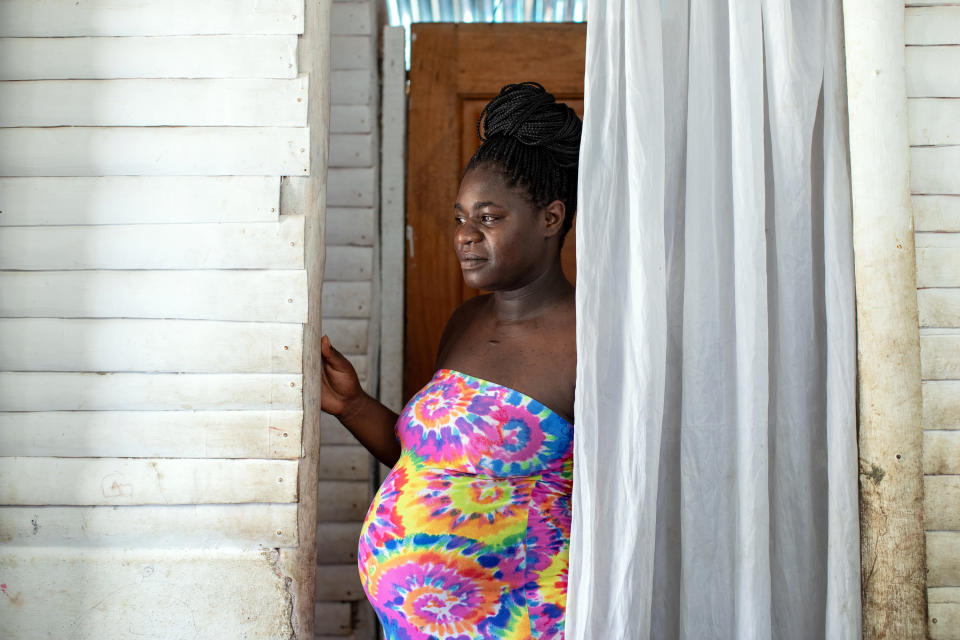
535	141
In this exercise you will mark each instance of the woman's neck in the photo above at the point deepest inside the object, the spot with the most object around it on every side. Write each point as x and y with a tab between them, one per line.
534	297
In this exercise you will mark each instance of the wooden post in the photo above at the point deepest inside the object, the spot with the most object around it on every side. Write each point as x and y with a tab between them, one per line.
891	480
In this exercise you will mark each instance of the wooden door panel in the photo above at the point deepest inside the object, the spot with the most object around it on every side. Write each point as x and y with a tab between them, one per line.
455	70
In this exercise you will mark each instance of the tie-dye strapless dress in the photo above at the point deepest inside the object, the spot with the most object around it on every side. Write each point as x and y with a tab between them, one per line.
468	537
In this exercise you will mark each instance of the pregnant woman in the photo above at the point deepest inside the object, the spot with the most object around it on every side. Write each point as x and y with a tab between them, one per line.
468	537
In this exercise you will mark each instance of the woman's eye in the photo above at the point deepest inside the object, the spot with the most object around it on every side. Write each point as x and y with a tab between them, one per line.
458	219
487	219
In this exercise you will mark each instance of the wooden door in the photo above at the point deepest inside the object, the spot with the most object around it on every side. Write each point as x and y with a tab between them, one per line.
455	70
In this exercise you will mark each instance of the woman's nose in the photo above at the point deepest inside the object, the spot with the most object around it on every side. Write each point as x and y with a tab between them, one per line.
467	233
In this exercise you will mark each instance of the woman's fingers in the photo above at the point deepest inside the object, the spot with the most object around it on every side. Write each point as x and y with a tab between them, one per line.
333	357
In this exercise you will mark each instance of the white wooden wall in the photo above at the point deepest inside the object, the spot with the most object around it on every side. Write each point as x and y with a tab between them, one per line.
152	308
933	88
350	311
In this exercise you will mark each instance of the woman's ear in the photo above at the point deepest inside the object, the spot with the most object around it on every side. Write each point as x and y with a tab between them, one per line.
553	215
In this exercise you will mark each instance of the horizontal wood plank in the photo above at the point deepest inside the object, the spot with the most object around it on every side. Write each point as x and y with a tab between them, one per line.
352	52
152	434
940	354
352	150
351	187
148	57
352	18
936	213
941	503
351	462
166	346
346	300
346	264
156	102
252	245
941	404
934	121
332	618
935	170
943	613
925	72
350	87
145	151
337	542
932	25
939	307
59	18
338	583
255	245
351	118
334	433
943	558
941	452
134	199
343	501
348	336
127	481
183	593
250	295
354	227
174	526
148	392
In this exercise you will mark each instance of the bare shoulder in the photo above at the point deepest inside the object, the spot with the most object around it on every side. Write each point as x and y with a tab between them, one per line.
460	320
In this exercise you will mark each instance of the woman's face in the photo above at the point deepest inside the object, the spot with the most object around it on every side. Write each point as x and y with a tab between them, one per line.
501	240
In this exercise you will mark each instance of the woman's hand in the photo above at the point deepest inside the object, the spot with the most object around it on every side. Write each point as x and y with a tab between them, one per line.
340	388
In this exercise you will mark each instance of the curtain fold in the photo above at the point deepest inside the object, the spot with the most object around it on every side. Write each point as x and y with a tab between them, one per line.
715	490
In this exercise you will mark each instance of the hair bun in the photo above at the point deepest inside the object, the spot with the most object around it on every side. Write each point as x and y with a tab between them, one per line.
531	115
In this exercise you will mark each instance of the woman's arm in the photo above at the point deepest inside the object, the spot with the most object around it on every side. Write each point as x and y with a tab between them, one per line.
368	420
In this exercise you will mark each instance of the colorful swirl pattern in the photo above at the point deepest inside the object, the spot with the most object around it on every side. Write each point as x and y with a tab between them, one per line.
468	537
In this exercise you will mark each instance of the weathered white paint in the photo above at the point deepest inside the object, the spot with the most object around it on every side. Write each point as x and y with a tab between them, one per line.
392	217
338	542
254	245
333	618
243	102
106	151
42	391
352	18
348	336
934	120
943	558
150	57
351	119
941	453
125	199
343	501
126	481
123	594
177	346
352	150
346	462
936	213
245	526
933	169
939	307
346	299
352	87
339	582
245	295
932	25
351	187
350	227
59	18
941	404
349	263
939	266
925	76
890	436
152	434
333	433
944	613
941	500
940	355
353	52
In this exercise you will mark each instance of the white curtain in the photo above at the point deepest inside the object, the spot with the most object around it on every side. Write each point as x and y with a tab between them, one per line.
715	491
